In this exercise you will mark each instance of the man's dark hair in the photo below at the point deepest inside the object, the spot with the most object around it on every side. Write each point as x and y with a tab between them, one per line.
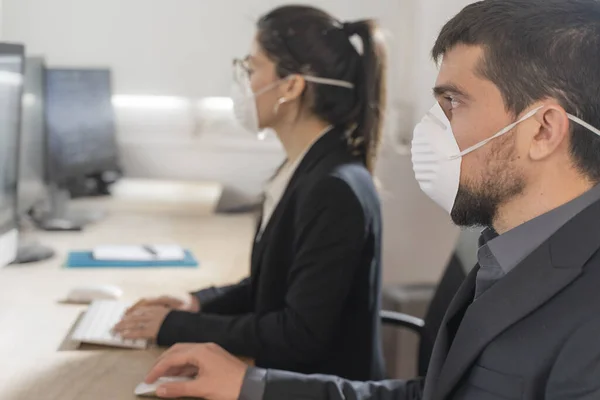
538	49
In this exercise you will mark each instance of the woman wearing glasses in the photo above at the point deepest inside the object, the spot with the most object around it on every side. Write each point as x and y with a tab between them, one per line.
311	301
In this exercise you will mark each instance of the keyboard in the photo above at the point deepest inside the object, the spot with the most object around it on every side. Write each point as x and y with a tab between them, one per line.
96	325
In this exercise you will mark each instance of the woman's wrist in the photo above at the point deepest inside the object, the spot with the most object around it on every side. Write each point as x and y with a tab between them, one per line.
194	305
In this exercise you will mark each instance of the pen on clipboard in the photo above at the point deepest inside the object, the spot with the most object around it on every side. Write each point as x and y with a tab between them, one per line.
150	250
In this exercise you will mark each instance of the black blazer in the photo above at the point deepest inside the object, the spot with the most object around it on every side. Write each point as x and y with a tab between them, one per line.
311	302
534	335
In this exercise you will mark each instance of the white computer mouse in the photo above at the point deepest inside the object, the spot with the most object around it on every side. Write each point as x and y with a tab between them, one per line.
149	390
89	293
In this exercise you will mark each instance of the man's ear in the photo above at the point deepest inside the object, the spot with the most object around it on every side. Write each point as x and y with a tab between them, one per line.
553	131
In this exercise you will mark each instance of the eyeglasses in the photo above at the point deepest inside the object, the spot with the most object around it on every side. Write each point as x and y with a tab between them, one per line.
241	69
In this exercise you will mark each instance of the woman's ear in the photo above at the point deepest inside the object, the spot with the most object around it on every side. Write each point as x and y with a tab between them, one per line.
293	87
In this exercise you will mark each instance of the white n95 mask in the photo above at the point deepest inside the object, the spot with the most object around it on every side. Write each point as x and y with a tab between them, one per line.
436	157
433	145
244	99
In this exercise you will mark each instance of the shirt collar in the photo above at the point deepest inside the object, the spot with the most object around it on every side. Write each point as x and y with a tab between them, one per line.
487	235
513	246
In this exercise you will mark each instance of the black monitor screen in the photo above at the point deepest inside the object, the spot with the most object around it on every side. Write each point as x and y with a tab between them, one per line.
32	154
11	89
80	123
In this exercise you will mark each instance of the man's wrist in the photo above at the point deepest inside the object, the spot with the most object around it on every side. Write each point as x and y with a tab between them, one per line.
253	386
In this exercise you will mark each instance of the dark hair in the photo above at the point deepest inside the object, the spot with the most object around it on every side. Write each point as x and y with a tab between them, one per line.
537	49
305	40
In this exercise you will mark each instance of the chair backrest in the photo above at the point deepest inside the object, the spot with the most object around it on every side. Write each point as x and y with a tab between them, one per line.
461	262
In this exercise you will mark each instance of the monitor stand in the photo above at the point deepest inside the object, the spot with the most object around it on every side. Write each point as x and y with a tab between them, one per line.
60	218
30	252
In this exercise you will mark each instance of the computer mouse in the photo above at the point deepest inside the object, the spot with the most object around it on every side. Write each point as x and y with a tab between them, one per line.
149	389
87	294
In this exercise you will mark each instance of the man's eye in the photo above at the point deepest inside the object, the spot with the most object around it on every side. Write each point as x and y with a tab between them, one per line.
452	102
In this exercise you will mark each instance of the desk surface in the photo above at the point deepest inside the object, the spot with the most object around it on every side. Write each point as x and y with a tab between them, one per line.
34	325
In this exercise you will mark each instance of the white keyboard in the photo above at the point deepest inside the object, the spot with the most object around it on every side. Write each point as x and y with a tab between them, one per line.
96	325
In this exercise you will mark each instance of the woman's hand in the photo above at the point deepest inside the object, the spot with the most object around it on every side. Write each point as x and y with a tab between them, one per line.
189	304
218	374
142	323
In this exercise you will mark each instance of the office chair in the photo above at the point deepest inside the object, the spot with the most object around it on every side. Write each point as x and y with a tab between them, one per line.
461	261
427	328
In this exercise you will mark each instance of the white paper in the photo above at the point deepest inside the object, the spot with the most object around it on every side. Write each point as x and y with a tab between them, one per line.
139	253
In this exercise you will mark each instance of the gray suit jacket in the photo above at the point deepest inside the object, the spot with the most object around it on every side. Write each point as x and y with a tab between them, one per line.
533	335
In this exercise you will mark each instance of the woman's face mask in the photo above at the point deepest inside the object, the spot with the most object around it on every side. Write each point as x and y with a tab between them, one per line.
244	98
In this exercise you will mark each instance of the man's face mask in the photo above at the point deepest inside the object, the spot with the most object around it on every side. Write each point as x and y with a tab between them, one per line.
436	157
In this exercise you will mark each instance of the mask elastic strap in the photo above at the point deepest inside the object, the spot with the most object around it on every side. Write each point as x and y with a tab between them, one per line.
584	124
266	88
327	81
314	79
502	132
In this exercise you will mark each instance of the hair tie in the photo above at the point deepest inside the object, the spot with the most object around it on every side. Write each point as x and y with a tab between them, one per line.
352	30
349	28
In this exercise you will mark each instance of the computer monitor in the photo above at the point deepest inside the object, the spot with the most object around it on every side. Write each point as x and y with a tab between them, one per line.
80	123
31	189
11	91
81	138
32	156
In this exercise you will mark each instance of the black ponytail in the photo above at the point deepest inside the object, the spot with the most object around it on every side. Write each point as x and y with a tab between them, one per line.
305	40
371	90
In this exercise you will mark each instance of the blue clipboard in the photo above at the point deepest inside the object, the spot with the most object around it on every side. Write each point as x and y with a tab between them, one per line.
85	259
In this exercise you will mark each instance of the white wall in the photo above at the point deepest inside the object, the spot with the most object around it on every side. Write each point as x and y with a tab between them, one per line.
178	48
184	48
173	47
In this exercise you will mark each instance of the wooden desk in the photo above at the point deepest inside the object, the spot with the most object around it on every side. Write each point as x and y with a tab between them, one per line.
33	324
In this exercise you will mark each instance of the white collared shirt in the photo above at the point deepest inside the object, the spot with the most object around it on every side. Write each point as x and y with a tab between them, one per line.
275	189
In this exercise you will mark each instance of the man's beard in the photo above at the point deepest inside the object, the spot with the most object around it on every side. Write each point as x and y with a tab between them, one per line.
477	205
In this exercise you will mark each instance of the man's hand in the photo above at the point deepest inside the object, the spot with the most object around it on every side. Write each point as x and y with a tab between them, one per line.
219	375
142	323
189	304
